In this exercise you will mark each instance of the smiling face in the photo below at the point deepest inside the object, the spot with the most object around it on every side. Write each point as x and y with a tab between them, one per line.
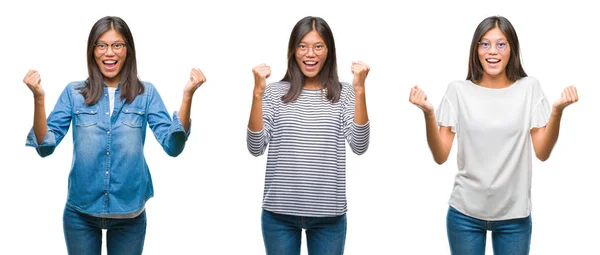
494	53
110	53
311	54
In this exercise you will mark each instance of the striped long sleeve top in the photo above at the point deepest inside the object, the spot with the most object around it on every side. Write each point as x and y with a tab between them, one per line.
306	162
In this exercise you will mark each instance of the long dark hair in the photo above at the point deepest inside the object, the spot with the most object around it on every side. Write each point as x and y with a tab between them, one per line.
328	75
130	86
514	69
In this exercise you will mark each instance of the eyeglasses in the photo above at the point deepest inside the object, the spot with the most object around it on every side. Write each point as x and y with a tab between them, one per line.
318	49
486	46
117	48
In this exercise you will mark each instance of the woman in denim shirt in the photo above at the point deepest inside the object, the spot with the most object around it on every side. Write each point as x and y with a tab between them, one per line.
109	181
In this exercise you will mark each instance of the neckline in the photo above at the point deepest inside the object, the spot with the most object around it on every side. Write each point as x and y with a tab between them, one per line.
313	90
494	89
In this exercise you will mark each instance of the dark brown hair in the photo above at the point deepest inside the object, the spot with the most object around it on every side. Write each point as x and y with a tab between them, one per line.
514	69
328	75
130	86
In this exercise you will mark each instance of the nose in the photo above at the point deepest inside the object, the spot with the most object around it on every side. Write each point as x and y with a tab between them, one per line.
310	52
109	51
493	49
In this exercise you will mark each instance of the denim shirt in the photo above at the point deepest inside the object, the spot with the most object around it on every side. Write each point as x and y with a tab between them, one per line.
109	174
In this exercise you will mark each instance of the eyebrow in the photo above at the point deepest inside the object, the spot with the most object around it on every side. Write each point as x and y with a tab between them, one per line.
119	41
320	42
497	40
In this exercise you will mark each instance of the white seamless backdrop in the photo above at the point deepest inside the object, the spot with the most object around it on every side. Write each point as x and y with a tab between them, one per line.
207	200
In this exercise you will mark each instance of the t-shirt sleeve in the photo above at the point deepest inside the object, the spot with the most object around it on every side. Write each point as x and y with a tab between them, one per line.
540	113
446	114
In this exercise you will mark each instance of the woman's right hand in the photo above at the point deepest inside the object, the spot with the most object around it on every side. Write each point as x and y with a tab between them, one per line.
261	73
32	80
418	98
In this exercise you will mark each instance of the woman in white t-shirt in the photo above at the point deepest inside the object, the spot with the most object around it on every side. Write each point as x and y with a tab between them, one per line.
496	114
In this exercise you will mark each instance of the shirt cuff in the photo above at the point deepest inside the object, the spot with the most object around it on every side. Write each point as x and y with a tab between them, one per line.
49	140
366	125
177	126
254	133
46	147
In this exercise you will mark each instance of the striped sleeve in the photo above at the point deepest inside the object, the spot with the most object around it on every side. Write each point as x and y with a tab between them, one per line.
356	135
257	141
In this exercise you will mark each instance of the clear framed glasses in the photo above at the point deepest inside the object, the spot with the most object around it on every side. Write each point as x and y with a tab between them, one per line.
486	46
117	47
303	49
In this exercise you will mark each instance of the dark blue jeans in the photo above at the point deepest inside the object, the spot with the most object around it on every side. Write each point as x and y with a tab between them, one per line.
467	235
282	234
83	234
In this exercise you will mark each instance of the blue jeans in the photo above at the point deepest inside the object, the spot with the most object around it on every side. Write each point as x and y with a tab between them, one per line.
83	234
467	235
282	234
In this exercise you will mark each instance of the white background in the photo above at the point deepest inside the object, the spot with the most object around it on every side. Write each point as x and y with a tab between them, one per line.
208	200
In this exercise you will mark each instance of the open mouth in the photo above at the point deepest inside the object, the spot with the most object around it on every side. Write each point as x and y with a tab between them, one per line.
492	60
310	65
110	64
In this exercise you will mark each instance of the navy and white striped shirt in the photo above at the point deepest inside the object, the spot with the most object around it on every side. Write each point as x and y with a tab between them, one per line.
306	163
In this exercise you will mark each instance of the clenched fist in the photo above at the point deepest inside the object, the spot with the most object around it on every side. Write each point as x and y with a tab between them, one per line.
33	81
196	80
419	98
360	71
568	96
261	73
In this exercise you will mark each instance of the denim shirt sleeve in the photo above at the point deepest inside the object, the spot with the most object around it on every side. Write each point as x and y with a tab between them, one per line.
169	132
58	123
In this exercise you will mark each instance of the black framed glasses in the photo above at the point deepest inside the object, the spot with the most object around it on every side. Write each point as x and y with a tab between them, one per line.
303	49
117	47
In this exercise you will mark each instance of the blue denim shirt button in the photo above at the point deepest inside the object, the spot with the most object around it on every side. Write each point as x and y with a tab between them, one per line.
108	153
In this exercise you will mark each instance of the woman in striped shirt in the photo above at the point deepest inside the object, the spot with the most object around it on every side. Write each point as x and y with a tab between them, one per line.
305	118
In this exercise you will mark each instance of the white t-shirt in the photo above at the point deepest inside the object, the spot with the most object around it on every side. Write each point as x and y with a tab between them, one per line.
495	153
111	97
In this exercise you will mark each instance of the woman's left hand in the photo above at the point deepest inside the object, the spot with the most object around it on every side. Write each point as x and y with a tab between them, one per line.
568	96
196	80
360	71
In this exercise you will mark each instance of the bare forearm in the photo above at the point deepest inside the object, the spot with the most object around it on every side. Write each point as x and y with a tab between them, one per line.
185	111
434	139
40	127
255	123
550	135
361	116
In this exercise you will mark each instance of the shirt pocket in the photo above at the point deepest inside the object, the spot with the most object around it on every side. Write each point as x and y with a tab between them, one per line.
86	116
133	117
